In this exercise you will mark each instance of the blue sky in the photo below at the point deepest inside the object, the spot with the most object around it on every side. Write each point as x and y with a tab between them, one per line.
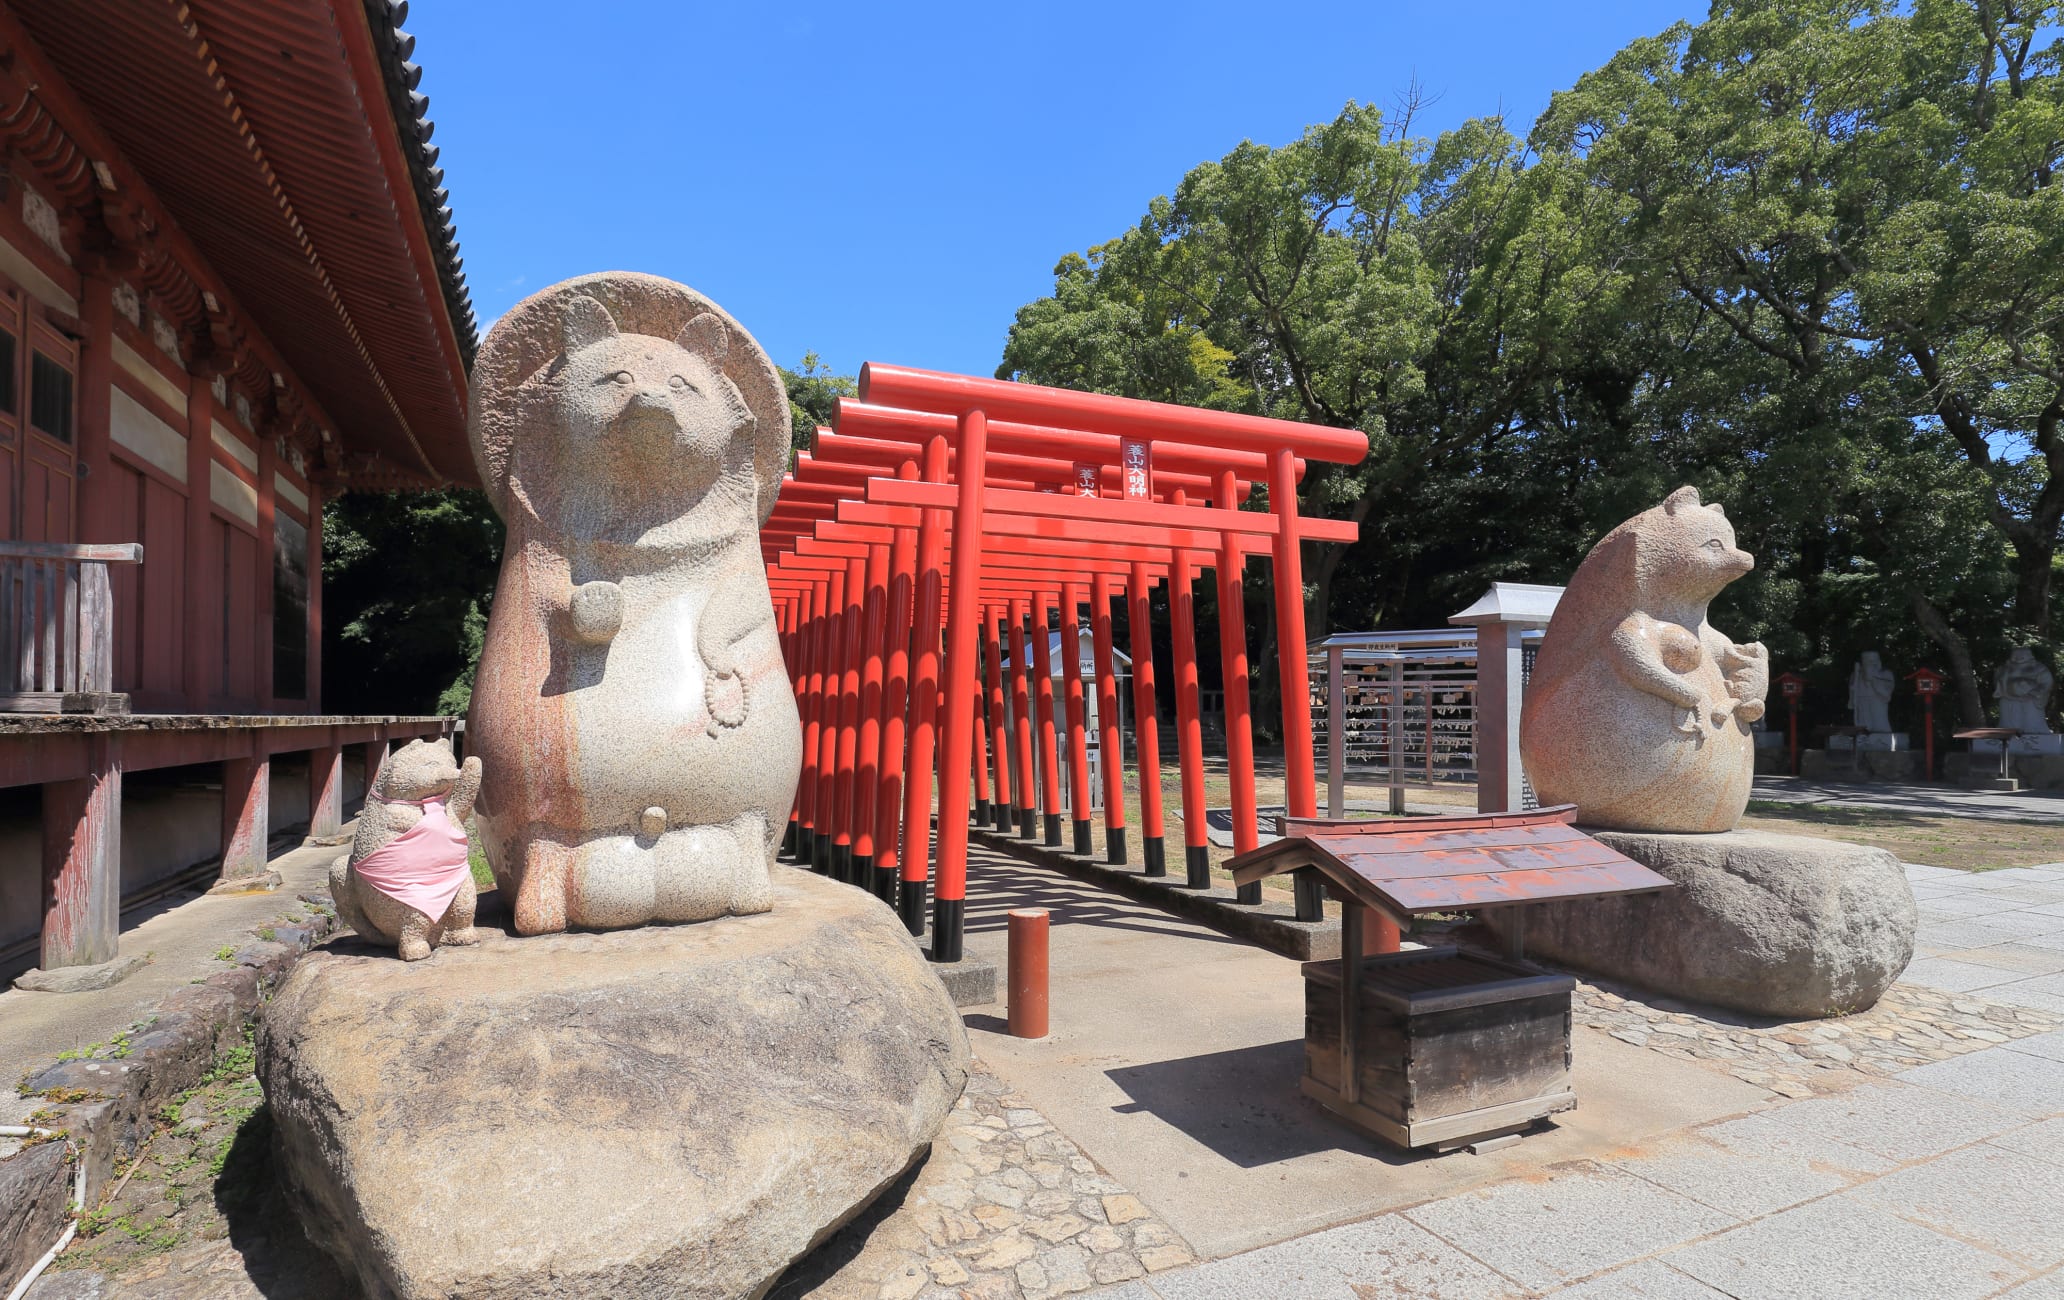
891	183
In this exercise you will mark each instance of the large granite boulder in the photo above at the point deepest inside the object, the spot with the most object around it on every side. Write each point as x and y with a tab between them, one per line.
676	1111
1777	925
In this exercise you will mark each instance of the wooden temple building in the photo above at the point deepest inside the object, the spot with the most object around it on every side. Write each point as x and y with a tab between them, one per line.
229	290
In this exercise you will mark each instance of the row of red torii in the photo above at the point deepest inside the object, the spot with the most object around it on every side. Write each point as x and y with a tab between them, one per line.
977	507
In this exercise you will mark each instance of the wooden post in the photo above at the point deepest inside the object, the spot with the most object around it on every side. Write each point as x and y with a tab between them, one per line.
827	729
1078	721
375	753
246	820
1189	724
924	747
315	536
326	791
1021	721
1351	914
1336	733
850	642
888	808
980	814
964	615
95	520
874	632
201	613
82	860
261	604
1232	655
1396	738
1146	721
1042	692
1111	743
1000	814
808	676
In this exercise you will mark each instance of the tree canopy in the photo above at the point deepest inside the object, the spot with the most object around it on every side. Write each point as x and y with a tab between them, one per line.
1807	255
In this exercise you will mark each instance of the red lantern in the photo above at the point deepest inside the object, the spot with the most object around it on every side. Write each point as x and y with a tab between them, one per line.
1792	686
1927	684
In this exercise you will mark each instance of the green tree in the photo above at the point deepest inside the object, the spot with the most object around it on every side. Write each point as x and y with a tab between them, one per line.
408	578
813	395
1864	193
1323	281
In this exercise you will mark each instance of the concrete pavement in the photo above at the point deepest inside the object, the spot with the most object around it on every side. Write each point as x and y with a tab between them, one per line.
1174	1060
1998	935
180	937
1940	1185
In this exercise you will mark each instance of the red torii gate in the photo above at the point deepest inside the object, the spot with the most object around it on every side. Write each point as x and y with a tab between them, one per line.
868	570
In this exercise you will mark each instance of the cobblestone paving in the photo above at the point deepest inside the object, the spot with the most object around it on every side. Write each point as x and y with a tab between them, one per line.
1005	1209
1909	1026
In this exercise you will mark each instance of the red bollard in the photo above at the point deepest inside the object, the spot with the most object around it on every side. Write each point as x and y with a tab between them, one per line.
1025	974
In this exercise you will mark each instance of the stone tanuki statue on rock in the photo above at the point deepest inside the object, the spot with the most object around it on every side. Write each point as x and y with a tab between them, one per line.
1639	711
2024	687
406	881
1870	693
641	740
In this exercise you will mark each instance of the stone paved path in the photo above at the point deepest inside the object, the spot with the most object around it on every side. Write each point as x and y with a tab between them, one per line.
1941	1183
1999	934
1006	1208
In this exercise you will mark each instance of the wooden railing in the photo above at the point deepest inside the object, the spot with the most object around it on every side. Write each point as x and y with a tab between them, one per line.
57	624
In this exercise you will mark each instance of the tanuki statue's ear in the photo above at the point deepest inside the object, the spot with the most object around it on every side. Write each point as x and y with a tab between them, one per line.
587	322
1682	497
1715	508
706	337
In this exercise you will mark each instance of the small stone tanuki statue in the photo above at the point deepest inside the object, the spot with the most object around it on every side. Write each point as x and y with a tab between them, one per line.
2024	686
1639	711
641	740
1870	693
406	881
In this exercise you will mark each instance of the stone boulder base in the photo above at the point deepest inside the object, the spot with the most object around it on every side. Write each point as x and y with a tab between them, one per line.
1776	925
672	1111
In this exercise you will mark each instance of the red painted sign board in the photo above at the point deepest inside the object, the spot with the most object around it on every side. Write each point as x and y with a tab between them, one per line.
1137	457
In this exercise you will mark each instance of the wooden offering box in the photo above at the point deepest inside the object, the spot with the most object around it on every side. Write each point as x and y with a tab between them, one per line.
1436	1047
1447	1047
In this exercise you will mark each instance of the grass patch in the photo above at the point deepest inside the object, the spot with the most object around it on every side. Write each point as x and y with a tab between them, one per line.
1962	843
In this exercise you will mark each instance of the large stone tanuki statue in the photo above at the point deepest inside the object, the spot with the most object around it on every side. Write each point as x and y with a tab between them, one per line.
640	738
1640	713
1638	710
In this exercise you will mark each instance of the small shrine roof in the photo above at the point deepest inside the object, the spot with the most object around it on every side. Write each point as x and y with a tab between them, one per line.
1413	865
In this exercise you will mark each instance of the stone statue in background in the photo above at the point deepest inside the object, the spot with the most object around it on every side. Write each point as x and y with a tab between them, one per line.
2024	686
407	881
1870	693
641	740
1639	711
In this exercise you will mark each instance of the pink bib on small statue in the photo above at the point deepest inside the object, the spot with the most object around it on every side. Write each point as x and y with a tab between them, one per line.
424	866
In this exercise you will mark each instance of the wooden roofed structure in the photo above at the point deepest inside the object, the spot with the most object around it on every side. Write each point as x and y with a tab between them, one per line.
230	288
